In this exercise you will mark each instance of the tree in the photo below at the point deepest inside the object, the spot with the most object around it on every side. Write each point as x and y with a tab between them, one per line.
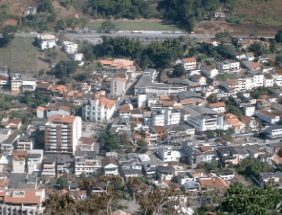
213	165
107	26
258	49
63	182
210	134
46	6
212	98
65	68
7	35
178	71
110	141
278	36
56	204
142	146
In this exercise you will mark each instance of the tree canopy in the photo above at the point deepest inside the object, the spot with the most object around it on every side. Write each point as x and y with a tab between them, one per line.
110	141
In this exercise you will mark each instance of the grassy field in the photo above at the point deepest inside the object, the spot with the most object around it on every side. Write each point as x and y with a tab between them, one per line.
20	55
137	25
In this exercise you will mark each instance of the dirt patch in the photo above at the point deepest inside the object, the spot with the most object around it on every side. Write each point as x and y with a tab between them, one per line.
41	63
12	22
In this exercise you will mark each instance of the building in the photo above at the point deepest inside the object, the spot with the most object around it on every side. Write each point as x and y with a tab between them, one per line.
235	122
199	79
99	109
152	73
168	154
145	85
228	155
268	80
209	71
219	107
28	86
267	116
119	65
228	66
278	80
77	57
86	162
110	166
62	133
49	165
22	201
35	161
16	83
13	124
19	161
70	47
118	86
30	11
89	144
46	41
7	146
189	63
274	132
25	142
51	111
4	75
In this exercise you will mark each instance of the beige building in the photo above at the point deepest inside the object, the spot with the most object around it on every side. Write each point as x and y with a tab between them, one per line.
62	133
118	86
19	161
16	83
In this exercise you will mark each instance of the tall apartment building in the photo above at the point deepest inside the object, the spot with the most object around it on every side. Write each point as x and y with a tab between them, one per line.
118	86
62	133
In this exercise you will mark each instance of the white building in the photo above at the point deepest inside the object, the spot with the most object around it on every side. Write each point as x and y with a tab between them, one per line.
19	161
199	79
152	73
219	107
70	47
165	117
86	162
209	71
118	86
278	80
62	133
46	41
76	57
110	166
168	154
267	116
228	66
28	86
34	161
25	142
274	132
268	80
99	109
189	63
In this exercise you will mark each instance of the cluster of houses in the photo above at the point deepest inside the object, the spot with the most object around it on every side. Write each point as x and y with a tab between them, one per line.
173	117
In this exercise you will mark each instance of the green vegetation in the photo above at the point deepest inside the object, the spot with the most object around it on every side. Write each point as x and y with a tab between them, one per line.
241	200
213	165
142	146
226	76
278	36
20	55
122	8
34	99
178	71
63	182
258	49
6	101
110	141
108	26
210	134
233	109
64	68
137	25
257	93
251	166
212	98
156	54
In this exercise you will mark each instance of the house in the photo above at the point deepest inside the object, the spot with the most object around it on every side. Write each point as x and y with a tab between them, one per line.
19	161
88	144
86	162
8	145
191	186
235	122
214	183
160	131
25	142
46	41
209	71
130	166
22	201
189	63
30	11
19	106
249	121
70	47
255	66
183	177
4	133
44	87
35	161
267	116
49	165
228	66
99	109
4	183
151	72
110	166
118	86
165	173
212	41
219	107
65	164
77	57
28	86
119	65
51	111
274	132
14	124
270	177
125	111
16	83
226	174
59	90
268	80
198	79
278	80
219	14
168	154
228	155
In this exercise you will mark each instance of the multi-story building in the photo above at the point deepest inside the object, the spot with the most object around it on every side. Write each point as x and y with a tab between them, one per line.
267	116
70	47
22	201
25	142
19	161
165	117
86	162
62	133
46	41
168	154
278	80
110	166
49	165
219	107
209	71
7	146
16	83
99	109
228	66
118	86
268	80
34	161
189	63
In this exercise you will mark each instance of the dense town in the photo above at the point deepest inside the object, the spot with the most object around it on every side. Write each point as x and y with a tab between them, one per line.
127	140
